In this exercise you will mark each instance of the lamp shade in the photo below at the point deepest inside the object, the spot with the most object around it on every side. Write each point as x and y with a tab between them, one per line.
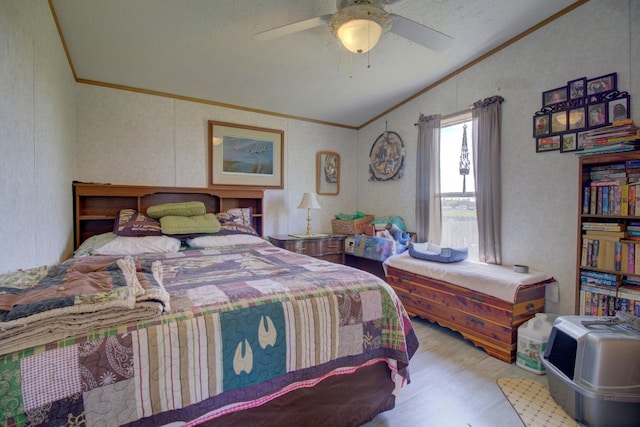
359	35
309	201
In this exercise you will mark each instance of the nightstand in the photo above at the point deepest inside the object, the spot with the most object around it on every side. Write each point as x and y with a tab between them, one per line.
328	248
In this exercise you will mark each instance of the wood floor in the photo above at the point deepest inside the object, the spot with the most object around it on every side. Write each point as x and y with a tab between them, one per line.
453	384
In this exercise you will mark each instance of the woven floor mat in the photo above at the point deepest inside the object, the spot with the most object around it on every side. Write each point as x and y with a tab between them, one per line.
534	404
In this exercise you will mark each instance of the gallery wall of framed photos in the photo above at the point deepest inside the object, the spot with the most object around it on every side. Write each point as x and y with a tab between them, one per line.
582	105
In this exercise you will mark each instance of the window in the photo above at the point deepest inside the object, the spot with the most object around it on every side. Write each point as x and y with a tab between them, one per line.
457	192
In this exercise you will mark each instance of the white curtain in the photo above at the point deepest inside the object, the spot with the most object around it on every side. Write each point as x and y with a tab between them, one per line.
428	217
486	168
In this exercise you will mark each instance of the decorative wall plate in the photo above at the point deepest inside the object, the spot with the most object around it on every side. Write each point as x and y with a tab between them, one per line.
386	158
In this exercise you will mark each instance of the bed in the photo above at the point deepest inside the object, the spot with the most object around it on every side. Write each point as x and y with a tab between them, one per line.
485	303
221	328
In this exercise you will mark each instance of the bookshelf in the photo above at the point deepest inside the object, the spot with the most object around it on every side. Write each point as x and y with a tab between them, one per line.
608	247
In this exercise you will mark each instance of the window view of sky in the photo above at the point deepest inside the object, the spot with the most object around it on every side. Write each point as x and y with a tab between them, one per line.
450	146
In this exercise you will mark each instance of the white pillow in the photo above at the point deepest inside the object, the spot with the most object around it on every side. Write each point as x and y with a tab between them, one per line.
122	245
224	240
89	246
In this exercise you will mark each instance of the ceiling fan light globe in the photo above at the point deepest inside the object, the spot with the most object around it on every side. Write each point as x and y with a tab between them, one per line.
359	35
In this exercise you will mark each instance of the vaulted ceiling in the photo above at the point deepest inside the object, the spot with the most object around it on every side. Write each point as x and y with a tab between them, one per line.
205	50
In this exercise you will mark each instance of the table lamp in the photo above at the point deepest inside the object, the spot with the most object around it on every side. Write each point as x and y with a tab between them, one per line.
309	201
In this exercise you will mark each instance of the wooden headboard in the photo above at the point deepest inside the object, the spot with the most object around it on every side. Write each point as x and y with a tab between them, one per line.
95	205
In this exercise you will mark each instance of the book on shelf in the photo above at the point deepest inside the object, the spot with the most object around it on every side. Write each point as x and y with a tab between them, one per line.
604	226
586	200
616	199
604	290
614	129
632	165
618	137
599	202
614	139
600	275
617	256
619	147
597	282
595	303
605	234
602	302
622	122
613	254
607	167
629	291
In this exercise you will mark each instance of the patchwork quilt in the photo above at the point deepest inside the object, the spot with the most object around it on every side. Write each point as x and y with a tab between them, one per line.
44	304
247	324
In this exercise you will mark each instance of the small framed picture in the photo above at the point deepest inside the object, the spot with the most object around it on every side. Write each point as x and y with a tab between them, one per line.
601	84
554	96
558	122
582	141
576	88
618	109
569	142
577	118
548	143
540	125
597	114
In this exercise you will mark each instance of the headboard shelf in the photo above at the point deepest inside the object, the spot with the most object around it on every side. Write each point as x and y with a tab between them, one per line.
96	205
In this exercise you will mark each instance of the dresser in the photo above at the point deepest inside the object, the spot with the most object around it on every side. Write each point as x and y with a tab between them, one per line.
328	248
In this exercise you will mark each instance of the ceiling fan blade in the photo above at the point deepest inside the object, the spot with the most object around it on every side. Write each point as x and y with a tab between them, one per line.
421	34
292	28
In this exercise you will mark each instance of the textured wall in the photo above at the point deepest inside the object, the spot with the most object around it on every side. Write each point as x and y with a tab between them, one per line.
37	138
132	138
539	196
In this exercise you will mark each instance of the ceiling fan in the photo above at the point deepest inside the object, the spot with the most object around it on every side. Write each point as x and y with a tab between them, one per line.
359	24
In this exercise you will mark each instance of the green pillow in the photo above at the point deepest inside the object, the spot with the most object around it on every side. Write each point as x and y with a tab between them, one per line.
176	209
207	223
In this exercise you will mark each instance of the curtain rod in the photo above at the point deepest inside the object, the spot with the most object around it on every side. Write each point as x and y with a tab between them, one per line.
457	113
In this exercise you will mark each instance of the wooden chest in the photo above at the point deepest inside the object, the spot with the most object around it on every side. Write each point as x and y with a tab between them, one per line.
488	322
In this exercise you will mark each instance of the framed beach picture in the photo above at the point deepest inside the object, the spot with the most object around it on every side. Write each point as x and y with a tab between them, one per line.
245	155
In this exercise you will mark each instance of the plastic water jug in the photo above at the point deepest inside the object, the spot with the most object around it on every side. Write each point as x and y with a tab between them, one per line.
533	336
